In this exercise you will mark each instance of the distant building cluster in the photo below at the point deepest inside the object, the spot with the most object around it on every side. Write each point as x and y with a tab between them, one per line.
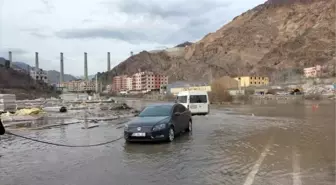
78	86
141	81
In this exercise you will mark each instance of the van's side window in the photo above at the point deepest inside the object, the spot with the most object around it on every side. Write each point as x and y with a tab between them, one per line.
198	99
182	99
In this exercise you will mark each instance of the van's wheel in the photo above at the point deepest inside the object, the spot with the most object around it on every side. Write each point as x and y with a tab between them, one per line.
171	134
189	129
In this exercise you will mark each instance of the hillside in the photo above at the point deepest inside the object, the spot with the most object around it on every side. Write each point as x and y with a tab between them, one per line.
53	75
278	36
22	85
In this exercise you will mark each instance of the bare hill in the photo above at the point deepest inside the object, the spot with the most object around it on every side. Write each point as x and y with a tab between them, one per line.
271	38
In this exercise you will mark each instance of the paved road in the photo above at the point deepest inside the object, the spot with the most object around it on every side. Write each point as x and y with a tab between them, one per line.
294	145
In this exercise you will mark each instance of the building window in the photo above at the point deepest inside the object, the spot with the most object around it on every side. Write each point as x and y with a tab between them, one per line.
251	78
251	83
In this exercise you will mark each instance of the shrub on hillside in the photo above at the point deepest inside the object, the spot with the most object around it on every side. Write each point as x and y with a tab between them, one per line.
219	93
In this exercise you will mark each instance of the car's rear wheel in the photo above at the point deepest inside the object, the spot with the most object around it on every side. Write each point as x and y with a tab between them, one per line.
171	134
189	129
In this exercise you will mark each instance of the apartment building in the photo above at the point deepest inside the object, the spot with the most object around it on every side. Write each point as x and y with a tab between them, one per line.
140	81
148	81
246	81
39	75
119	83
312	72
129	83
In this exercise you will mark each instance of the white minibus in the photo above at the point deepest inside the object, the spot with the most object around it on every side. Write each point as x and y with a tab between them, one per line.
196	101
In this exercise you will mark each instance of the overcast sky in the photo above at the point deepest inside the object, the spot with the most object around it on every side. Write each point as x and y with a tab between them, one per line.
98	26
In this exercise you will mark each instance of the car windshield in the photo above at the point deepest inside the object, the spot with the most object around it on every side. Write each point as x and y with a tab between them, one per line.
153	111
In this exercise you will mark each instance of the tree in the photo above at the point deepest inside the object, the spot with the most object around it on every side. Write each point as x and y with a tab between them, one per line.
219	93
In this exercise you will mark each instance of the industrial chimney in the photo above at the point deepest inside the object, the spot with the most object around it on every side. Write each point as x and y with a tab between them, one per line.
10	59
108	61
36	62
62	69
85	67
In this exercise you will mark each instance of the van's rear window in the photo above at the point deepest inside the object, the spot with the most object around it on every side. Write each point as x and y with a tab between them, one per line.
198	99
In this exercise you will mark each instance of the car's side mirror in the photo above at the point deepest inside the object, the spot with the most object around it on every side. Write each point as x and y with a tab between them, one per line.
177	113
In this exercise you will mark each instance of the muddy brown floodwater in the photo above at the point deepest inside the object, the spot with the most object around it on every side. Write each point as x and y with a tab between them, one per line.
260	145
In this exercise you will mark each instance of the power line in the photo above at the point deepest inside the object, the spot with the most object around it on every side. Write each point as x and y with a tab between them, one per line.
63	145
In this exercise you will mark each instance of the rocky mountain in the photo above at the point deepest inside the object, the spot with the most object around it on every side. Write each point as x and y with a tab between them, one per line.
184	44
277	36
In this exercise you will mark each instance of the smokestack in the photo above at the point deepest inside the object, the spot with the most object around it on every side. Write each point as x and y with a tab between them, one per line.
108	61
85	67
36	62
10	59
62	69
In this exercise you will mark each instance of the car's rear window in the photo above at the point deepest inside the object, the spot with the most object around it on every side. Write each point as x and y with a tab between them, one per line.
198	99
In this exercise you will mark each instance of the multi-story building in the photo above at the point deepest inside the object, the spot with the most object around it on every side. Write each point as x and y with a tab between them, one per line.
246	81
136	81
312	71
148	81
116	83
160	80
79	86
142	81
119	83
129	83
39	75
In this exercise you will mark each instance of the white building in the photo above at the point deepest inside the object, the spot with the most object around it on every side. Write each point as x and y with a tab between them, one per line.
312	71
129	83
39	75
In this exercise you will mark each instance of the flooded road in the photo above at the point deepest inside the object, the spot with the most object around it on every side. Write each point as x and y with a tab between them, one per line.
261	145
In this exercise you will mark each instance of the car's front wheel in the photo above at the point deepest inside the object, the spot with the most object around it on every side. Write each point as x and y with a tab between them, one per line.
171	134
189	129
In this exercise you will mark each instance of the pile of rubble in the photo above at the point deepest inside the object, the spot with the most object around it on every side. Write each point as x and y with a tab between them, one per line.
7	102
325	90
